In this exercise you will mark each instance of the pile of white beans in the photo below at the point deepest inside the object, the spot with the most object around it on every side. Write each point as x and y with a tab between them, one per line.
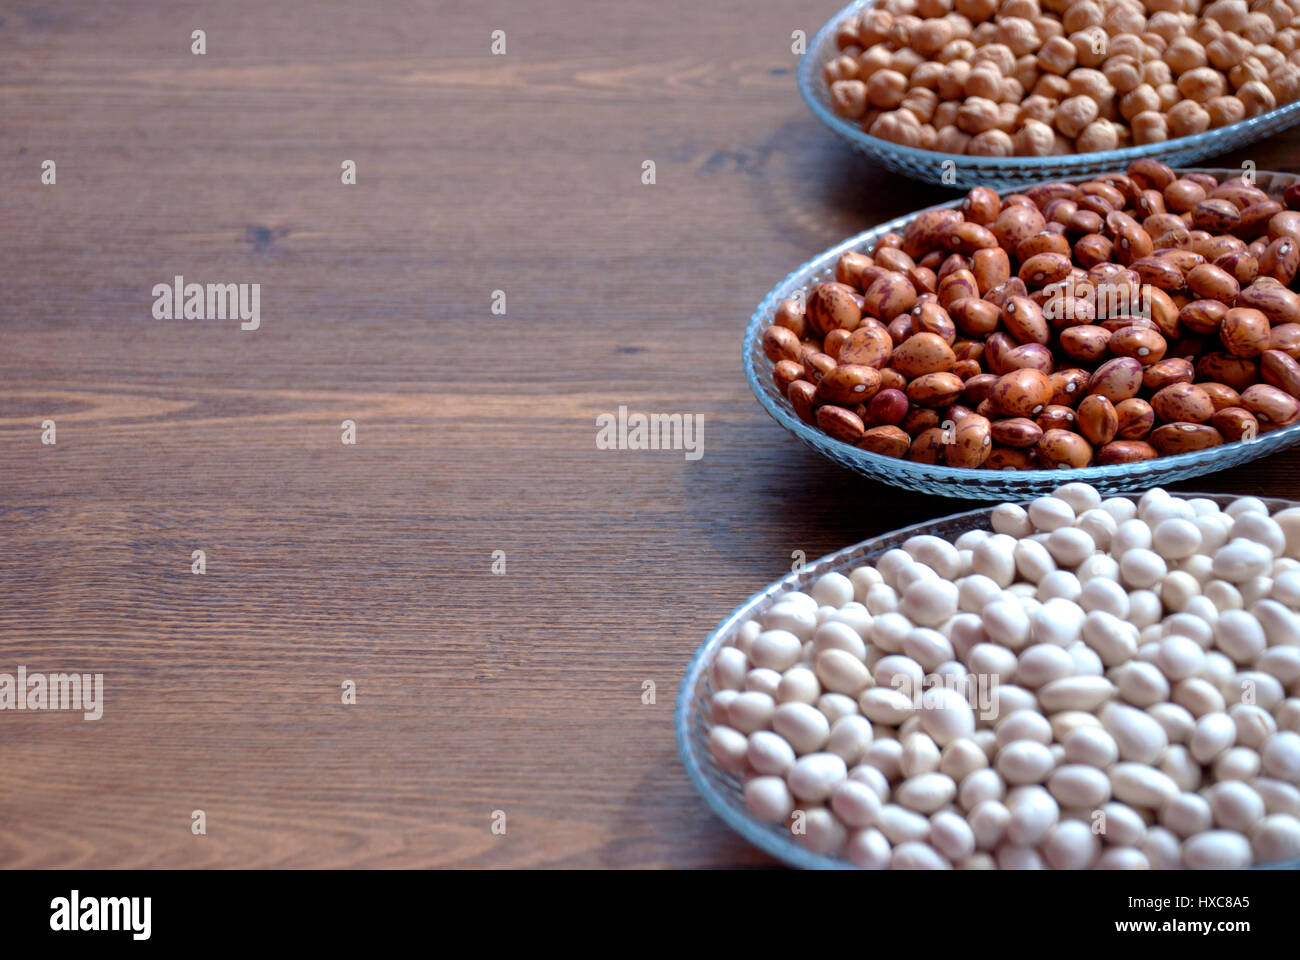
1103	684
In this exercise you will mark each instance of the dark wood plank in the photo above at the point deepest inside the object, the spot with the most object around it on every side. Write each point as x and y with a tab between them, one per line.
475	433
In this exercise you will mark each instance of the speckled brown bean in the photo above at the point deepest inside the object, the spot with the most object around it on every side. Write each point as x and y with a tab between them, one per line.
1117	379
1056	416
1032	355
1131	243
888	296
832	306
1280	260
1272	299
927	230
1255	217
839	423
900	328
1069	386
1016	223
1162	374
1285	223
1040	269
1182	402
971	442
1086	343
1021	393
967	369
1016	432
1135	417
1159	272
1244	332
1272	407
1243	267
887	440
887	408
975	317
849	267
968	237
803	397
894	260
1024	320
929	317
834	341
848	384
818	364
1220	394
891	379
990	267
1164	311
790	314
1143	344
870	345
1063	450
1097	420
918	419
1151	174
1091	249
1203	316
1216	216
1212	283
1286	337
958	285
922	353
1175	438
780	343
1281	371
1236	372
785	373
977	388
1125	451
935	389
928	446
1235	423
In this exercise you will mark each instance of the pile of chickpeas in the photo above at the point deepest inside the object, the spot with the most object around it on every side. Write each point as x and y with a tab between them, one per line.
1088	684
1001	78
1133	316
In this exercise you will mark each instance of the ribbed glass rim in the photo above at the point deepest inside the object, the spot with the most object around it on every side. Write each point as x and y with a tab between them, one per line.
1262	445
809	76
770	838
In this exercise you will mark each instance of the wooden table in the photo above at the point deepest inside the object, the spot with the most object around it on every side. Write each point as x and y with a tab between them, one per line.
475	432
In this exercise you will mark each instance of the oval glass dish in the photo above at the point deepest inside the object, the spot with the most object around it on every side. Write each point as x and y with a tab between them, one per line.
723	790
981	484
998	172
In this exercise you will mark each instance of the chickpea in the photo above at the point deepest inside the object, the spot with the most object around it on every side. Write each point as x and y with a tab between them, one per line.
1057	56
1091	46
1203	31
977	114
983	33
1225	111
1187	118
1082	14
1149	127
991	143
929	136
1097	136
1202	84
1052	87
1018	35
905	61
840	69
998	54
951	139
897	126
1251	68
1259	28
921	103
1047	27
1285	40
875	27
1184	54
849	99
1270	57
1128	45
1123	72
1156	72
873	59
957	50
1256	98
1141	100
1279	11
1008	116
886	89
1090	83
1167	24
961	27
1038	108
931	36
933	8
1169	95
952	82
1074	114
1226	51
1232	15
945	114
926	75
1027	70
1284	81
1020	8
984	81
1034	138
976	11
1125	19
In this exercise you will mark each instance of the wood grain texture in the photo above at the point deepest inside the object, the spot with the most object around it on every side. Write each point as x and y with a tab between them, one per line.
475	433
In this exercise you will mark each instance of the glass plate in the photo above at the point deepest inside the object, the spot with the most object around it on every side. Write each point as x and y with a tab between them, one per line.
723	790
998	172
964	482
